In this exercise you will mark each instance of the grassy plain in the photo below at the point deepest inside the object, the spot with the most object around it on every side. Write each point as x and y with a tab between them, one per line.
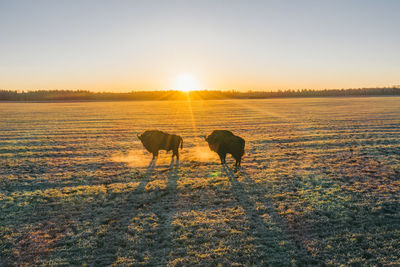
319	184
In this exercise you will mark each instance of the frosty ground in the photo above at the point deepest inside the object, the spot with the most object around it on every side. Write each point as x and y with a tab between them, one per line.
319	184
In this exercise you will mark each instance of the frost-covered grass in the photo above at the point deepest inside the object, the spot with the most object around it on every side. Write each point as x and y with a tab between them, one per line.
319	184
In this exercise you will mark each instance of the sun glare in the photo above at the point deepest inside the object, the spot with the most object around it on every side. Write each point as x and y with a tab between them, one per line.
186	82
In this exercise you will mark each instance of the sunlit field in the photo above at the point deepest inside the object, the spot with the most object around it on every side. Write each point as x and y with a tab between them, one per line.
319	184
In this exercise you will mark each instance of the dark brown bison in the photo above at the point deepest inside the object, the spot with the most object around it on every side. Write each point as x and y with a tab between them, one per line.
155	140
224	142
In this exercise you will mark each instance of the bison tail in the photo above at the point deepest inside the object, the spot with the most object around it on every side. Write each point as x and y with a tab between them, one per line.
181	143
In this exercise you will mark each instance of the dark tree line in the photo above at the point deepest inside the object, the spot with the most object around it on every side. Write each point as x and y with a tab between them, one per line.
82	95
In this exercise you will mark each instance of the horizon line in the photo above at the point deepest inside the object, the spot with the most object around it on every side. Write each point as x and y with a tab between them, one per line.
199	90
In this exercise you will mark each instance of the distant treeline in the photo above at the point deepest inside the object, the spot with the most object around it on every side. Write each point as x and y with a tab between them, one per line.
82	95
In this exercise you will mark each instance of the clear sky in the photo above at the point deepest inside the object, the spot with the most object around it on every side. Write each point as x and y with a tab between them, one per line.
244	45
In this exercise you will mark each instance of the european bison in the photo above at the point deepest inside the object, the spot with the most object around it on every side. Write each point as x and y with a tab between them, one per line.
224	142
155	140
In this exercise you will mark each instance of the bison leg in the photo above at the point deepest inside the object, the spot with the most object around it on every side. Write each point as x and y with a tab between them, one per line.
222	157
155	154
175	153
237	163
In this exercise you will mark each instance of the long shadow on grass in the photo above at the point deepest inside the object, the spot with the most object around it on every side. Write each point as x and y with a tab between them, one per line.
162	247
117	222
160	202
267	236
302	255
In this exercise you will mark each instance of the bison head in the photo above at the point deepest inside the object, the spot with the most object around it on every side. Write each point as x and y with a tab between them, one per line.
212	143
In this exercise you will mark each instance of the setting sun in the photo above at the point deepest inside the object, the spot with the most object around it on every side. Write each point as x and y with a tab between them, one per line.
186	82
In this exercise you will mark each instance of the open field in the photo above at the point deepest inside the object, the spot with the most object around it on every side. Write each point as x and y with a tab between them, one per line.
319	184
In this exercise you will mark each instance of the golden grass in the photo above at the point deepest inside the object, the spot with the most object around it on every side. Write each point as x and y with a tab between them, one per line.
319	184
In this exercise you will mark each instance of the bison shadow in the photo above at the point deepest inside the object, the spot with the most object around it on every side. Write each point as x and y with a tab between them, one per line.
118	220
251	212
263	230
